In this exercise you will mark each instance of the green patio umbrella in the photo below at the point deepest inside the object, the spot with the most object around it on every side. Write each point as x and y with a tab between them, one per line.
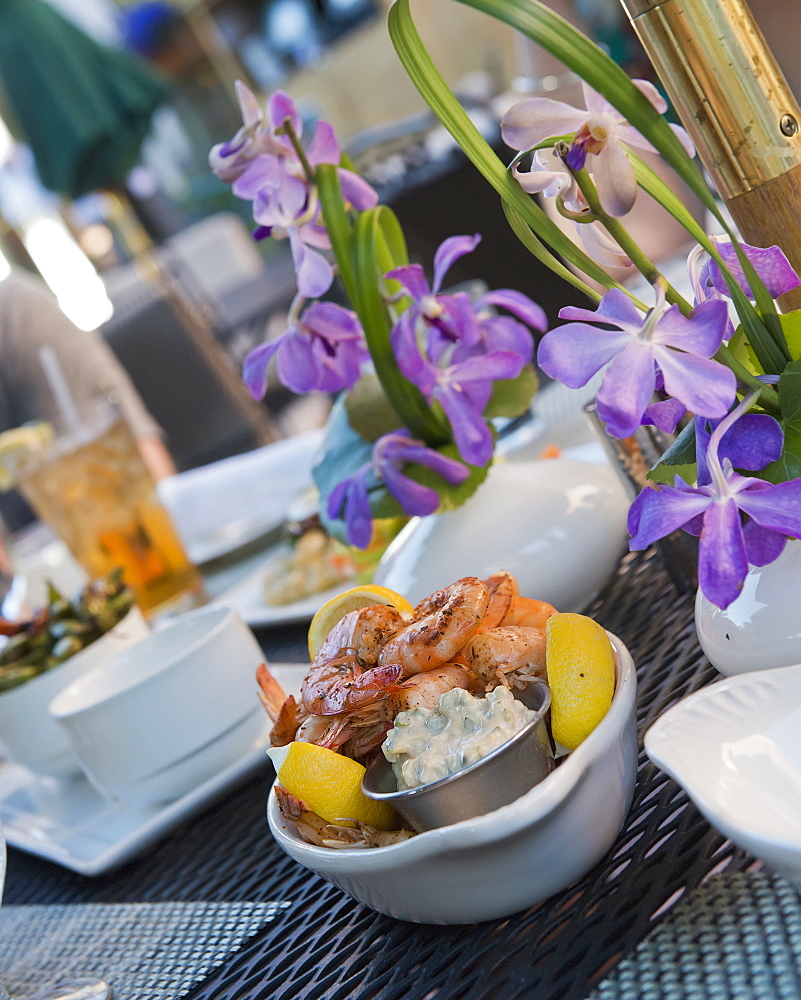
83	108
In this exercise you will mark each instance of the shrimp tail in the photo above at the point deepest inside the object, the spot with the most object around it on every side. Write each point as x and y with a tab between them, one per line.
270	692
285	724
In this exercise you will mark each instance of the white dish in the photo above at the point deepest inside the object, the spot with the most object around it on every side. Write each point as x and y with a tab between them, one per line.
505	861
247	597
221	506
559	525
168	712
28	735
69	823
734	748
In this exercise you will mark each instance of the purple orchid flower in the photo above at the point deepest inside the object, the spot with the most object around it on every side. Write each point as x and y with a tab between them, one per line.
264	167
664	413
256	139
599	130
286	206
322	350
680	347
715	511
432	307
256	144
322	148
453	349
390	454
752	443
770	263
229	159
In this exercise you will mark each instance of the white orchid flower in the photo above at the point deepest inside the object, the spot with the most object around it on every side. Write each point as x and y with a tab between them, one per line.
600	133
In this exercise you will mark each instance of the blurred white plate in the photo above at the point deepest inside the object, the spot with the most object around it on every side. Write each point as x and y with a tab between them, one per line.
735	749
247	597
221	506
68	822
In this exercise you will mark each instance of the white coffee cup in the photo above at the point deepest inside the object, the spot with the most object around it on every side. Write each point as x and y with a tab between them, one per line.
170	712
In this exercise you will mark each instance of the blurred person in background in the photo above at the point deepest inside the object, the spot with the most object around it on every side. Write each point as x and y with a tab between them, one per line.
30	319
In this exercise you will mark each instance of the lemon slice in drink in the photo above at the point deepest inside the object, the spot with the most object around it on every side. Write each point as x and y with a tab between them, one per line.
581	675
18	444
330	785
352	600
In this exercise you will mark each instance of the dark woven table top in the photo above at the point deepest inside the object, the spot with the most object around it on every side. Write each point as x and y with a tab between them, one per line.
324	945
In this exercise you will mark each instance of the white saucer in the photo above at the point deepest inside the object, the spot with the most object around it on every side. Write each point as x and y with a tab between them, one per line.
68	822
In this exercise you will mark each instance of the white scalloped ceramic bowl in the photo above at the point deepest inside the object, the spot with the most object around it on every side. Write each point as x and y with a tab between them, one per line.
734	747
507	860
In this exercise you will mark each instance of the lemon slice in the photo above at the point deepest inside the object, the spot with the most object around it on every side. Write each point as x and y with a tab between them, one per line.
18	444
352	600
581	675
330	785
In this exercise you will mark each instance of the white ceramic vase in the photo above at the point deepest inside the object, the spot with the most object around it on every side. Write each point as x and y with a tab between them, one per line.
557	524
762	627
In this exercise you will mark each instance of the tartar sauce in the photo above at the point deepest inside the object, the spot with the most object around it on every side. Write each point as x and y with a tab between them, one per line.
428	744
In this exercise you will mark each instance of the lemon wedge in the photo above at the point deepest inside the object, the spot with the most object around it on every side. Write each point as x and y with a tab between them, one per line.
581	674
335	610
330	785
19	444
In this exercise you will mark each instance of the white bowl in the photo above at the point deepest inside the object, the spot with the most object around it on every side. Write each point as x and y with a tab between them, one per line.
28	735
168	713
734	748
507	860
559	525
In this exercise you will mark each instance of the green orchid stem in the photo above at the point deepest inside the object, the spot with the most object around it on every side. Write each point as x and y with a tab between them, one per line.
287	129
768	397
582	218
621	236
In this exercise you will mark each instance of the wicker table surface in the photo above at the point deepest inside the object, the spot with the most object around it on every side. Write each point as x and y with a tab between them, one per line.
325	946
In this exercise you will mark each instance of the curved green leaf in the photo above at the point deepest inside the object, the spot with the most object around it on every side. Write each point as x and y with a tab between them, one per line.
511	397
337	223
603	74
535	246
425	76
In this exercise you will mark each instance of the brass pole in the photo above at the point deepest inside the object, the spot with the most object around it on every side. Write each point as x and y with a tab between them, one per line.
736	104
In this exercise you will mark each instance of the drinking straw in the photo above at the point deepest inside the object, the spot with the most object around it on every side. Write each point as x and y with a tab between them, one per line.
65	401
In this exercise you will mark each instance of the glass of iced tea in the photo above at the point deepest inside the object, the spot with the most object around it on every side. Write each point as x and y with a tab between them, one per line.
94	490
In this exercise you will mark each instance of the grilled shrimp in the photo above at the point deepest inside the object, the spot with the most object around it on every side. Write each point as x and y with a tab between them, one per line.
344	674
526	611
442	624
367	727
512	655
423	690
503	593
315	830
